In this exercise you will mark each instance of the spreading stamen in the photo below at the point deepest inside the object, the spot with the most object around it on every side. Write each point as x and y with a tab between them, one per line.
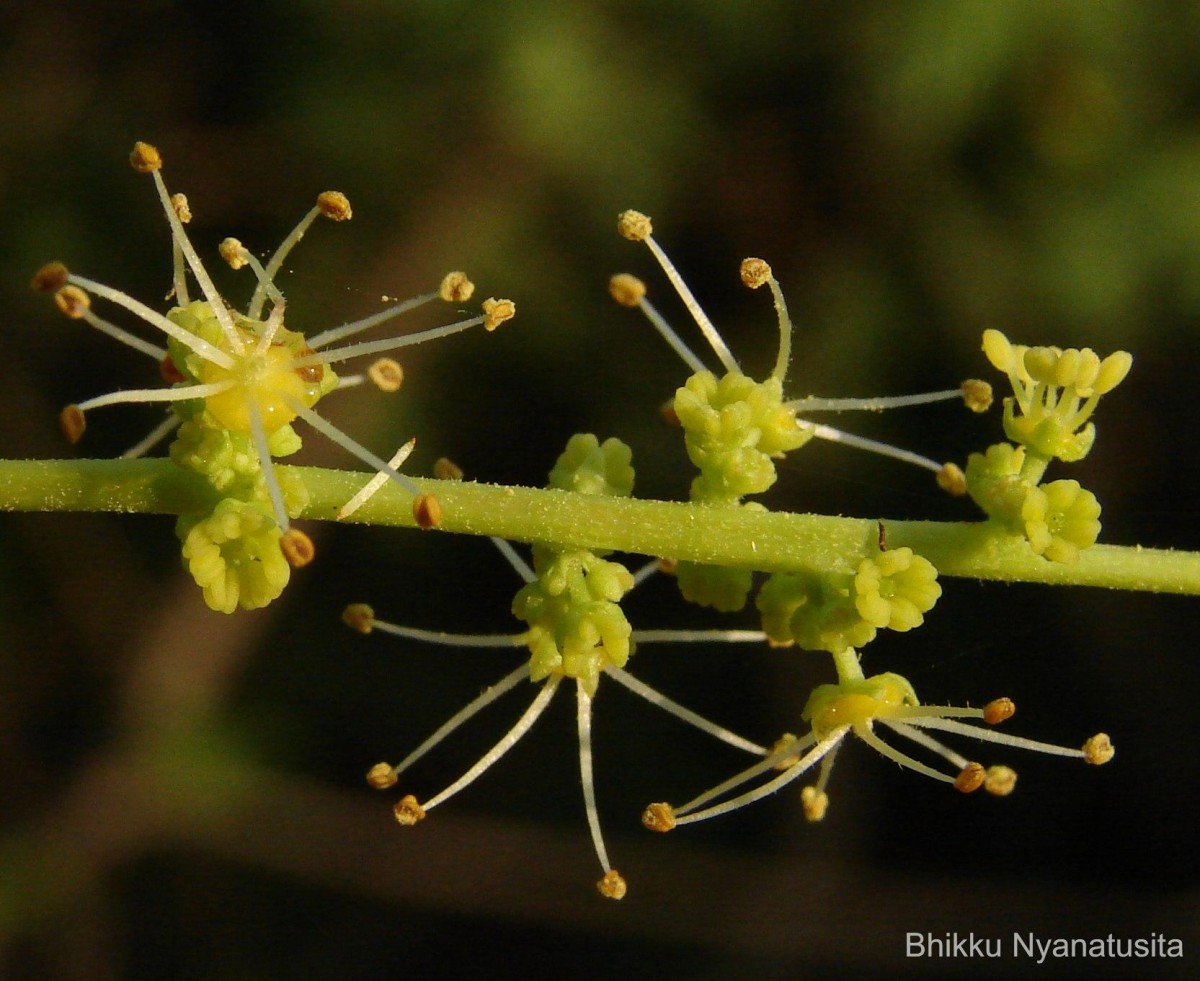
318	341
387	344
153	438
373	485
867	735
259	437
584	725
756	272
872	446
815	404
629	291
784	755
181	394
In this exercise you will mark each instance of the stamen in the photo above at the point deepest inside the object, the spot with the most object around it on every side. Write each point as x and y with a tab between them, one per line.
872	446
970	779
153	438
1000	781
50	278
179	273
72	423
259	436
815	404
646	571
408	811
867	735
814	802
631	292
358	613
360	617
1001	738
427	511
387	374
373	485
756	272
952	480
345	442
318	341
456	287
659	817
497	312
583	716
379	347
612	886
784	754
381	776
519	564
181	394
297	548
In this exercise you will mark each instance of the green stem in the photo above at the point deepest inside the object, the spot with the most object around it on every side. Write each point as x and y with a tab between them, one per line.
769	541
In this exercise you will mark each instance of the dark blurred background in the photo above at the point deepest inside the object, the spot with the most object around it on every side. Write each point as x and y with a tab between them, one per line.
182	792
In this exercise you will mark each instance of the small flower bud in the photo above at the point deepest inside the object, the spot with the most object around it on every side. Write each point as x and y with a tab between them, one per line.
1000	780
72	423
612	886
815	803
755	273
72	301
182	211
1099	749
456	288
360	617
497	311
634	226
427	511
626	289
233	252
997	710
659	817
408	811
382	776
145	158
51	277
387	374
334	205
977	395
952	480
446	469
297	548
970	779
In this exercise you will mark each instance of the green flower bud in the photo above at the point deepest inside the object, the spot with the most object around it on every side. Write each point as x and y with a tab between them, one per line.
588	466
814	611
895	589
234	556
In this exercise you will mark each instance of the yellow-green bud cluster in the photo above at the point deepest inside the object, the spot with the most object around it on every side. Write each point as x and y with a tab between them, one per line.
233	554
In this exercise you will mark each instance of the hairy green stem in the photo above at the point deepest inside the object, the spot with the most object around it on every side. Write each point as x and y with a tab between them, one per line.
769	541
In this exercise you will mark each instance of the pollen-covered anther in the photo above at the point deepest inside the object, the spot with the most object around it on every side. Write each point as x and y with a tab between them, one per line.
387	374
72	422
495	312
952	480
970	778
782	743
233	252
334	205
382	776
755	273
1098	750
1000	780
977	395
612	886
626	289
456	287
183	211
360	617
815	803
52	276
668	567
145	158
998	709
634	226
72	301
408	811
446	469
297	548
659	817
427	511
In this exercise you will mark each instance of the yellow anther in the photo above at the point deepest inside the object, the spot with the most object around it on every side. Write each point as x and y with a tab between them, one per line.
233	252
145	158
952	480
72	301
997	710
1000	780
659	817
360	617
427	511
626	289
755	273
382	776
72	423
970	778
334	205
977	394
495	312
634	226
612	886
815	803
182	211
456	288
297	548
408	811
52	276
446	469
1099	749
387	374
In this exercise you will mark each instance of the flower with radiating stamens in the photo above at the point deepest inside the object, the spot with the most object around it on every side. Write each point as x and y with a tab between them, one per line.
238	381
862	706
576	631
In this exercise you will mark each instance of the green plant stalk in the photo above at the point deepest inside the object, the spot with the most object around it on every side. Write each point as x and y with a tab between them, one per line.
767	541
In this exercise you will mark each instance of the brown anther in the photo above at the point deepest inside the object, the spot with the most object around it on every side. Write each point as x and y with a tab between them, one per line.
755	273
52	276
456	288
626	289
427	511
667	411
334	205
408	811
668	567
387	374
952	480
72	423
169	371
977	395
998	709
446	469
297	548
612	886
1000	780
314	374
144	158
882	539
815	803
182	211
381	776
233	252
360	617
659	817
1099	749
634	226
72	301
495	312
971	778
